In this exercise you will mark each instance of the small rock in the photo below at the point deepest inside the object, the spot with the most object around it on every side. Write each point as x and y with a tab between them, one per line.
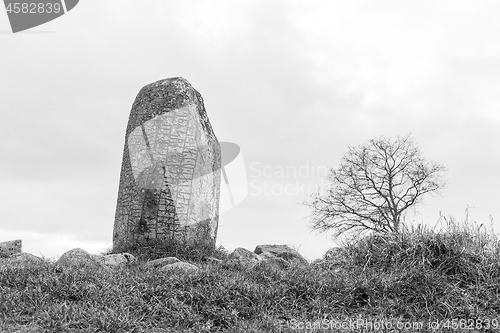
162	262
21	260
78	258
115	260
243	258
274	260
281	251
186	267
10	247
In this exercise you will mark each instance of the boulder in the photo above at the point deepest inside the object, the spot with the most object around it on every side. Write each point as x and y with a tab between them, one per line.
281	251
21	260
79	259
10	247
170	177
162	262
242	258
273	260
115	260
182	266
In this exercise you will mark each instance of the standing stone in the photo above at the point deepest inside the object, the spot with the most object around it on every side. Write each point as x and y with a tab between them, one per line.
170	177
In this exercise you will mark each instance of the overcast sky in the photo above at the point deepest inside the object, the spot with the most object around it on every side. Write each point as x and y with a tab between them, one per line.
293	83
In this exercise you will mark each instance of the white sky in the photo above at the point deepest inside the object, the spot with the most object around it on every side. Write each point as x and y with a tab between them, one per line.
293	83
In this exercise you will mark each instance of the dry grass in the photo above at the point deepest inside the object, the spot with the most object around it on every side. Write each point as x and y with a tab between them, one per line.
419	276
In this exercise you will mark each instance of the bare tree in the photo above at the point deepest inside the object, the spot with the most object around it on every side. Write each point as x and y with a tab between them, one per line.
374	186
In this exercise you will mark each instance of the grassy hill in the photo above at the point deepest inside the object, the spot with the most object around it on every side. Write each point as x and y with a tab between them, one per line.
414	281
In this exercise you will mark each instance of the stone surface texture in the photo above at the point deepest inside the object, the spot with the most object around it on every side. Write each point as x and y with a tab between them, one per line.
10	247
21	260
78	259
279	256
242	258
115	260
162	262
281	251
183	266
274	260
171	169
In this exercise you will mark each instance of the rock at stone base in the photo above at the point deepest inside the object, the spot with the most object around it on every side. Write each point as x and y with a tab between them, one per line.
162	262
279	256
78	258
272	260
242	258
184	266
21	260
281	251
115	260
10	247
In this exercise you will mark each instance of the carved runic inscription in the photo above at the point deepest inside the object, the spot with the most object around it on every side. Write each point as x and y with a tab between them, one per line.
170	178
